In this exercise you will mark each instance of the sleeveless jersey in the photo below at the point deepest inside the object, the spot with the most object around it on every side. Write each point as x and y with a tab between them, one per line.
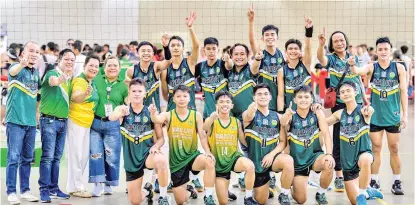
385	96
213	81
182	140
268	70
262	136
152	84
354	138
336	67
180	76
241	86
293	79
223	142
304	141
137	132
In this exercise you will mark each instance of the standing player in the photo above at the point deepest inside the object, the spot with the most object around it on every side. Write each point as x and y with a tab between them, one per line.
273	59
181	71
388	95
266	140
356	150
139	149
224	132
150	71
183	126
304	129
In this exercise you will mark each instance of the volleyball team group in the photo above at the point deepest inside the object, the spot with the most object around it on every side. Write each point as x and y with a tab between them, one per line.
259	118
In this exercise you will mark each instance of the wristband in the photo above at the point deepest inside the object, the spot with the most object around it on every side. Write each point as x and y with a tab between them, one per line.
167	54
309	32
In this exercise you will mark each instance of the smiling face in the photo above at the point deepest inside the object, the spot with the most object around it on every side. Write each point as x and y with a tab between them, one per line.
146	53
339	43
384	51
303	100
91	68
176	47
270	38
239	56
112	68
31	52
347	93
293	51
67	62
262	97
224	104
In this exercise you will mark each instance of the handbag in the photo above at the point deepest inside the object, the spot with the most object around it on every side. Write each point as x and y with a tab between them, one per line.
331	93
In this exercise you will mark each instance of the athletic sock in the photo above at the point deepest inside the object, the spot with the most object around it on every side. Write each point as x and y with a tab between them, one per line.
194	177
321	190
146	192
364	192
285	191
248	193
242	175
209	191
163	191
375	177
396	177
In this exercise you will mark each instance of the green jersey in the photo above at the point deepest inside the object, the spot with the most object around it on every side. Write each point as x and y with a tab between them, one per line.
241	86
180	76
213	79
152	84
262	136
304	141
293	79
55	99
270	64
336	67
22	97
183	140
223	142
354	138
385	96
137	132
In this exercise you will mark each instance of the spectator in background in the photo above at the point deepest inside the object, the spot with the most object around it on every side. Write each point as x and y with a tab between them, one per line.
119	49
365	53
372	54
69	43
80	58
363	59
87	49
42	49
47	58
124	64
202	55
156	56
352	50
106	52
404	57
57	50
134	52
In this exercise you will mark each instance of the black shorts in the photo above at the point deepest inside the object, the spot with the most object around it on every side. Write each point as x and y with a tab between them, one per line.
227	175
131	176
181	176
262	178
391	129
306	171
350	175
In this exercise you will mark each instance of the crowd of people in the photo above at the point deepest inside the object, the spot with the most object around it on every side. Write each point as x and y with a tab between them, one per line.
260	116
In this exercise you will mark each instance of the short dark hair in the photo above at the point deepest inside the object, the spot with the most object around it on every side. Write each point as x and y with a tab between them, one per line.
69	40
98	49
176	38
182	88
124	52
64	51
137	81
318	66
43	47
106	45
211	40
404	49
384	39
77	45
88	58
51	46
371	49
261	85
226	49
239	44
135	43
363	45
331	49
293	41
144	43
13	46
303	88
270	27
223	93
348	83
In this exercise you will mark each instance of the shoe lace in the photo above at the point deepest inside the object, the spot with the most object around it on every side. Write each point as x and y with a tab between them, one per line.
197	183
284	198
398	184
323	197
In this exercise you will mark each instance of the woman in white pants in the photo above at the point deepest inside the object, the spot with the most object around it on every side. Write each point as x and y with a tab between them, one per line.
84	99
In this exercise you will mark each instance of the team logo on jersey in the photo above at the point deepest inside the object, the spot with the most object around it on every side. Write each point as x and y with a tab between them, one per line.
279	60
145	119
211	71
357	118
304	123
217	70
265	122
183	70
273	60
274	123
178	73
349	120
236	77
391	74
312	121
137	119
383	74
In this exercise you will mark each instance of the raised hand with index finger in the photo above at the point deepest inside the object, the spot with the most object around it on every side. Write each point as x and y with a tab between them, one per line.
251	13
322	37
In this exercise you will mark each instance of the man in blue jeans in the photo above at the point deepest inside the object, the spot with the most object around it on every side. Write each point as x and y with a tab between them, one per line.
21	122
54	111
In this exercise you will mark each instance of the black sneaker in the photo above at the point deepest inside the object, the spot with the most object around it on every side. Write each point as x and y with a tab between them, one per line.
397	188
149	187
231	196
163	201
284	199
193	193
157	186
170	188
209	200
250	201
271	193
375	184
272	182
321	199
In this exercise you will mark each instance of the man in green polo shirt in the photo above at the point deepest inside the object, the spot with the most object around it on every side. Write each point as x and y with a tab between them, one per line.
54	111
21	122
105	145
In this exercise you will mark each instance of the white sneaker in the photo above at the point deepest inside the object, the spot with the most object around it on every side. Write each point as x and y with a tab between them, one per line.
12	198
107	190
29	197
97	190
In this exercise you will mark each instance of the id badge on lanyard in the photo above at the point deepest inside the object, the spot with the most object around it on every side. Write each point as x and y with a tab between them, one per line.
108	106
